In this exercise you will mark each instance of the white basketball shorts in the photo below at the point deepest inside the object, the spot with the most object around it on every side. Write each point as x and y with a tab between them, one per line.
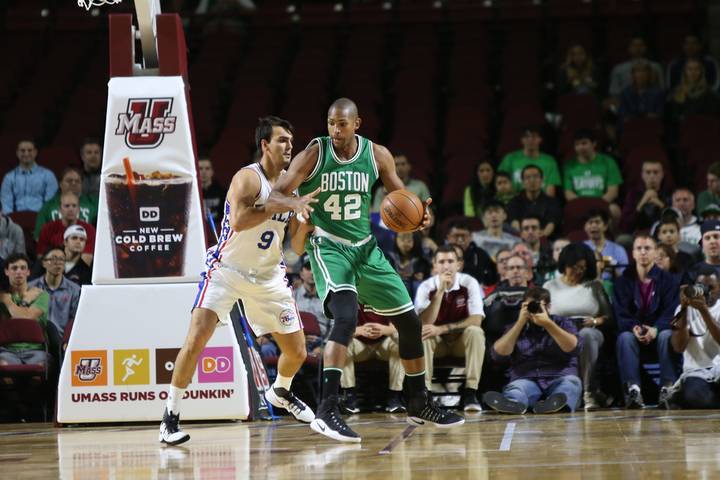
268	306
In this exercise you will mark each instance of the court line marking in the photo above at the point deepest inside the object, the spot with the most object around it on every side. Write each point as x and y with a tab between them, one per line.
399	438
507	437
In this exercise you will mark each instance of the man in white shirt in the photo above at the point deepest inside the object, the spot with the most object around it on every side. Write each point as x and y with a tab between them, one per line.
696	334
450	306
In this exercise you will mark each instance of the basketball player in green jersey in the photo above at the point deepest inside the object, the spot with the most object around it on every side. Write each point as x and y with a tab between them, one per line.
348	265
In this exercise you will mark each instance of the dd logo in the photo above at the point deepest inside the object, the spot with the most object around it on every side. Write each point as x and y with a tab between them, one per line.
215	364
149	214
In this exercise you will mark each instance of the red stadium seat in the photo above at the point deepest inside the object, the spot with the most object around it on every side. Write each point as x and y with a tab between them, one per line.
639	132
576	210
699	130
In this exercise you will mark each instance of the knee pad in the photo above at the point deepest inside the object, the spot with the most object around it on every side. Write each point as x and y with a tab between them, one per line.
344	308
410	335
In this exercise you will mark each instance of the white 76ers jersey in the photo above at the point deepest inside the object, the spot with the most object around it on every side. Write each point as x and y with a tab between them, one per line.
257	252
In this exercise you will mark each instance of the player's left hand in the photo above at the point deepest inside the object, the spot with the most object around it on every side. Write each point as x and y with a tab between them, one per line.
427	216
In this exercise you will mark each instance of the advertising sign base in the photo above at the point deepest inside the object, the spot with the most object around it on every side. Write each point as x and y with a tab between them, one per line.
121	355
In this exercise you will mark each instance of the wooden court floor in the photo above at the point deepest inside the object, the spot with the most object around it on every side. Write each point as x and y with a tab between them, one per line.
610	444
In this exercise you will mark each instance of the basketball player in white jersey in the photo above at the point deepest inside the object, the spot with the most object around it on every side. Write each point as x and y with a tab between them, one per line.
247	264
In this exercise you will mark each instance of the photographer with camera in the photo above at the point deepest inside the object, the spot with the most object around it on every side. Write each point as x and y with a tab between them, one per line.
645	298
578	294
696	334
542	350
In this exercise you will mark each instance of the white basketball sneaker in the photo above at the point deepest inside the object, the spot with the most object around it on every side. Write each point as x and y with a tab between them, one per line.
170	432
281	398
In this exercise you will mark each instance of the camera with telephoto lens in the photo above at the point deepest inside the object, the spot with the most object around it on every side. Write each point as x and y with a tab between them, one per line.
697	290
534	307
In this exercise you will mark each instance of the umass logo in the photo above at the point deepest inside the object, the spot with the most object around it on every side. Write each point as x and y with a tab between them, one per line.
146	122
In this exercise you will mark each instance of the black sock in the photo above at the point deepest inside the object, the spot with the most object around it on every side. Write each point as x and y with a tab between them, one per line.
415	383
331	382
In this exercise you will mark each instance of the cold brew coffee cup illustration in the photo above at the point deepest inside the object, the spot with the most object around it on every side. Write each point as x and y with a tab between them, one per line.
148	222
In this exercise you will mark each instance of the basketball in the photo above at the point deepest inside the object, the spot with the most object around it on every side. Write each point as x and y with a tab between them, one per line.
402	211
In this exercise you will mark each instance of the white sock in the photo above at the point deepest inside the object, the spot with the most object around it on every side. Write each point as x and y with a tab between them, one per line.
283	382
175	394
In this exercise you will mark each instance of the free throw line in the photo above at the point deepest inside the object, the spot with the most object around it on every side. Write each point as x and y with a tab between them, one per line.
507	437
397	440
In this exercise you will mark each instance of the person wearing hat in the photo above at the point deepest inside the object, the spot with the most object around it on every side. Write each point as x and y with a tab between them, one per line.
591	174
712	194
64	297
514	162
710	212
710	243
76	269
52	233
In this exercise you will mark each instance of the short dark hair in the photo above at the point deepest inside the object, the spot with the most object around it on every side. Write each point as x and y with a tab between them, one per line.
494	204
446	249
91	141
714	169
638	236
52	249
14	257
265	126
26	139
597	212
572	254
530	167
584	134
532	216
459	224
67	170
538	294
503	174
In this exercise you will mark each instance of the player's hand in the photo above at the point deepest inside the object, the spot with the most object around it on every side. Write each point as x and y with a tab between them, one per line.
303	205
427	216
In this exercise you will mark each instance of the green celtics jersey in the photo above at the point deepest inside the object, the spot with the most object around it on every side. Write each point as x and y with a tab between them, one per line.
345	190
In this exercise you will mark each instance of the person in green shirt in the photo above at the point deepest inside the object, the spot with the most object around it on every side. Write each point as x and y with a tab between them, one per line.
514	162
403	167
70	181
22	301
712	194
592	174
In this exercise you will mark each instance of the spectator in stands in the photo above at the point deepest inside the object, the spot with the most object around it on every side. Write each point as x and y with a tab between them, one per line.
710	242
450	305
27	186
693	51
52	234
74	240
645	299
710	212
614	255
307	300
542	350
480	191
533	201
504	191
70	182
91	156
374	338
501	258
592	174
514	163
403	167
579	295
23	301
213	193
621	76
644	203
531	234
693	96
409	261
667	234
577	74
712	194
696	334
476	262
492	238
64	297
643	98
666	259
12	238
683	201
524	252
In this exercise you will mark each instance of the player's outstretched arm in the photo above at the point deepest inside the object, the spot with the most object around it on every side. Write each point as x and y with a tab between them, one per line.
390	179
281	198
244	189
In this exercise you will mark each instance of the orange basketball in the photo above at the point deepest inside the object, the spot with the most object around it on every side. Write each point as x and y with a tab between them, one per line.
402	211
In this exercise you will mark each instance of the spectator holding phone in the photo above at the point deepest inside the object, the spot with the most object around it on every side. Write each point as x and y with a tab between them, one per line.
577	293
645	300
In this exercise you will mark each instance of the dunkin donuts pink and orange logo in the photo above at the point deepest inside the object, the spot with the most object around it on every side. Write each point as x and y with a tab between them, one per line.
216	365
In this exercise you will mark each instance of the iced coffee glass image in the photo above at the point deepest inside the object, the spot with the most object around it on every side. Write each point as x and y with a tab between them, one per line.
148	223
